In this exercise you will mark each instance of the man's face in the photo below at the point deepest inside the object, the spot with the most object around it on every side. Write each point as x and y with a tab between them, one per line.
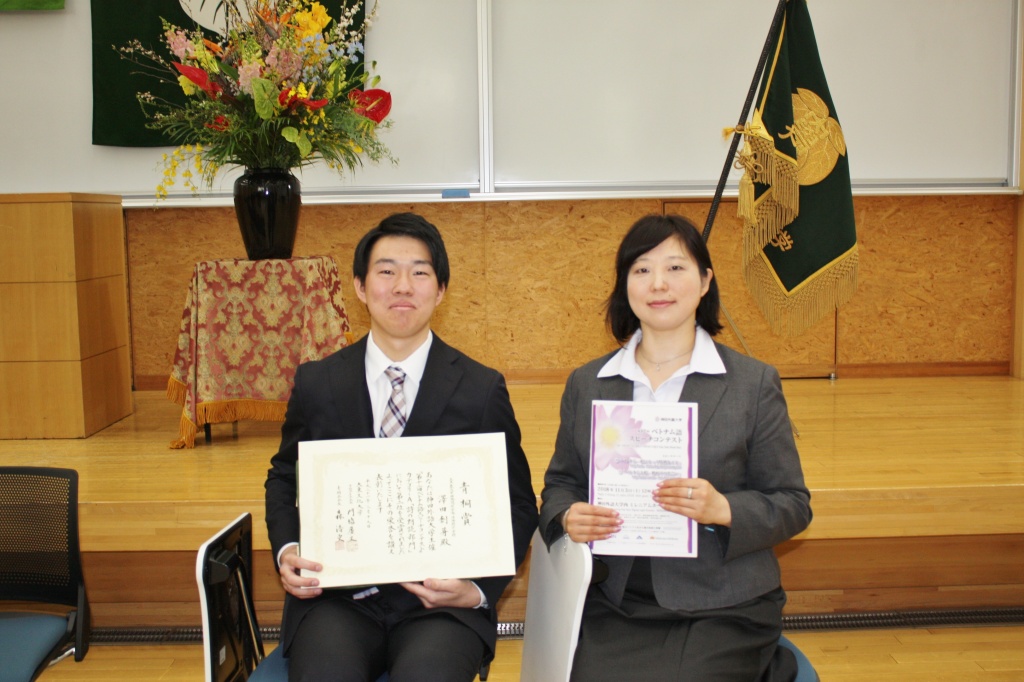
400	291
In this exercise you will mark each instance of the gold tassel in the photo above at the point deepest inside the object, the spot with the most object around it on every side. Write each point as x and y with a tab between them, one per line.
177	392
187	429
791	315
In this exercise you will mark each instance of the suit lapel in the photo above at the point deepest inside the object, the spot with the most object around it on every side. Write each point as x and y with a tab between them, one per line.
441	376
706	390
349	393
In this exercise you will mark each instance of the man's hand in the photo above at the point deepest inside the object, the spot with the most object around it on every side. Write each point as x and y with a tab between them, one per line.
293	583
587	522
433	593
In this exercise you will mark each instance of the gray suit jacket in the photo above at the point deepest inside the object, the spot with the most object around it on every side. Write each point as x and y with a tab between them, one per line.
745	449
457	396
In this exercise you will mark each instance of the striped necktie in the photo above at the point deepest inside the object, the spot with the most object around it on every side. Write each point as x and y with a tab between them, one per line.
393	421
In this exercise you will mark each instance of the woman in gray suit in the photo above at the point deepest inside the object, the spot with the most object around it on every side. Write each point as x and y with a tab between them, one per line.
717	616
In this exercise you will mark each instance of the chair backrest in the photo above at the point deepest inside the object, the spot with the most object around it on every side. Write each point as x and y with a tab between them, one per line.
559	579
232	644
40	555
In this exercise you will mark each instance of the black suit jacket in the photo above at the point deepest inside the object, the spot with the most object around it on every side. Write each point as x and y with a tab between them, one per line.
457	395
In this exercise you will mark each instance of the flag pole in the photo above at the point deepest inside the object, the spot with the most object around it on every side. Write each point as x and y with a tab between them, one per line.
780	11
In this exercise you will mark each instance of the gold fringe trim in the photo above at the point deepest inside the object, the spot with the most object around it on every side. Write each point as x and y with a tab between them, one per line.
789	315
177	392
227	411
187	429
779	205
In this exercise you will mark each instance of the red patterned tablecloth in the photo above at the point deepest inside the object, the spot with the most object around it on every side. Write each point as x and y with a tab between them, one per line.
246	327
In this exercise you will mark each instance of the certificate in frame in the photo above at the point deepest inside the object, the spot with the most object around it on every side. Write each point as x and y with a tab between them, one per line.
387	510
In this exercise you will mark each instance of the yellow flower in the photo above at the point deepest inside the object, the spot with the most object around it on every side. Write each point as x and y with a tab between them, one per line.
187	86
312	22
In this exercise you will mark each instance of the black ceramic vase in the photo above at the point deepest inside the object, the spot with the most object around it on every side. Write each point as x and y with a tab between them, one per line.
267	204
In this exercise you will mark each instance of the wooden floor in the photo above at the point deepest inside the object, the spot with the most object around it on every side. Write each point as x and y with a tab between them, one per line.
978	654
906	460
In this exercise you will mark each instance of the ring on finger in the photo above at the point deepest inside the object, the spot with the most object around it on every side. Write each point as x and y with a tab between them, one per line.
689	493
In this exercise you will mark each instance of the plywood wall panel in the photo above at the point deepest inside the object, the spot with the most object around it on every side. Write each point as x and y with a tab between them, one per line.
529	278
549	268
936	281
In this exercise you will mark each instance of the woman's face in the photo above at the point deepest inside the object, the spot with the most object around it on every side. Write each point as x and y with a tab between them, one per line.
665	286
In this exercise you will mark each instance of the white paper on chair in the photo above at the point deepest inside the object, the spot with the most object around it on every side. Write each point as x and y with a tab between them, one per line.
634	445
386	510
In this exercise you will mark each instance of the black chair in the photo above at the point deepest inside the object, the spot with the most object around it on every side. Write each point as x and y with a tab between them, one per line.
44	610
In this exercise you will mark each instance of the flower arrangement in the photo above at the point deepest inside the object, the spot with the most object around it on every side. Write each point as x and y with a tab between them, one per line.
280	89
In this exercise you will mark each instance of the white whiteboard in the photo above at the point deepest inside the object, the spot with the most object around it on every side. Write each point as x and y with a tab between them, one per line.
605	92
585	95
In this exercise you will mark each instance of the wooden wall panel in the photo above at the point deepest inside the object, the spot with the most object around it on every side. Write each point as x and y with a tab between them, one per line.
29	407
99	240
39	238
529	278
826	576
40	321
106	389
63	315
102	315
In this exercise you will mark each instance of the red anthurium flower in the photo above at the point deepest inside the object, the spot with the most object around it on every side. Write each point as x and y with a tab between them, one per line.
288	98
200	78
373	104
220	124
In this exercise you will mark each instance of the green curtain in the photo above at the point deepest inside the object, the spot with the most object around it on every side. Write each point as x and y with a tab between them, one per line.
16	5
117	118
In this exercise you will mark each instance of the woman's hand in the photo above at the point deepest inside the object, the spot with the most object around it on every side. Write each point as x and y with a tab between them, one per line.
586	522
695	499
292	581
433	593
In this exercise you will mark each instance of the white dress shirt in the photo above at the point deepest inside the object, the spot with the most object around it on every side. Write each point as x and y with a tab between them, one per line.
704	359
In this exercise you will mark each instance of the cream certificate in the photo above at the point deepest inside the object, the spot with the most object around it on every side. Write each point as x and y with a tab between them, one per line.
633	446
386	510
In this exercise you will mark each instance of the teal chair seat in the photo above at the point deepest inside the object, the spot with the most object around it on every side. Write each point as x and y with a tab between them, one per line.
26	639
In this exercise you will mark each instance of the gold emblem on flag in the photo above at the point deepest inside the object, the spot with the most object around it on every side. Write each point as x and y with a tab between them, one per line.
818	138
783	240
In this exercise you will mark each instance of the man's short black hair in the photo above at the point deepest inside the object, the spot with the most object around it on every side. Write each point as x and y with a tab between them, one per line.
404	225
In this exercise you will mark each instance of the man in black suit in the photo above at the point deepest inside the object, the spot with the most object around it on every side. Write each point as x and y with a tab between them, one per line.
440	629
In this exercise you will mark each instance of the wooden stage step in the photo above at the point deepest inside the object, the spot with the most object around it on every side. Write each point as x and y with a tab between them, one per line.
917	490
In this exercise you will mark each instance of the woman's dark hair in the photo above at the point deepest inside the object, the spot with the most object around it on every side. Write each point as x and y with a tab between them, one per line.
403	225
647	233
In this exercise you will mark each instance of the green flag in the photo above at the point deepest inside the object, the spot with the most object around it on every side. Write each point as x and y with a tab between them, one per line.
800	241
117	118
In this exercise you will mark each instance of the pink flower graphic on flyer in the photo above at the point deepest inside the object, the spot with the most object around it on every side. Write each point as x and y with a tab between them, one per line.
616	437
